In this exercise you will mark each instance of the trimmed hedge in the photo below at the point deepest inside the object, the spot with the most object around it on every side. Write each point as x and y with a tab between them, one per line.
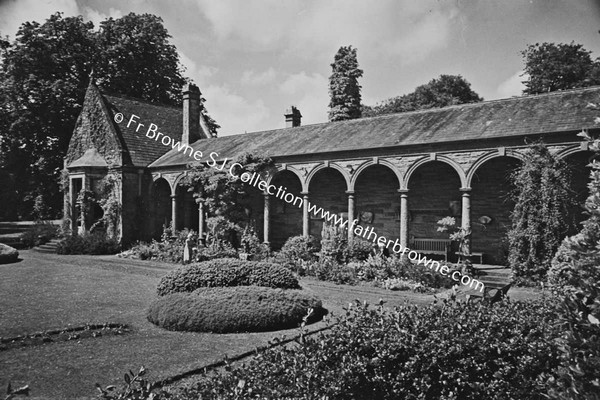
227	272
234	309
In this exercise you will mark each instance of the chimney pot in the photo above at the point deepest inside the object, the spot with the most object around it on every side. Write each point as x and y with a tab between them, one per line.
191	114
293	117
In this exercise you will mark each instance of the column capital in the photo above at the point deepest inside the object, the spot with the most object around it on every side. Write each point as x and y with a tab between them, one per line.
350	192
465	190
402	191
304	193
173	196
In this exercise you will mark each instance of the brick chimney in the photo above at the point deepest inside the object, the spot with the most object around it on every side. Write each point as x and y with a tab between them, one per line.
292	117
191	114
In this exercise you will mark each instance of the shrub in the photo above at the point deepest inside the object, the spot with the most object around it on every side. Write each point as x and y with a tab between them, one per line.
358	250
252	246
170	248
8	254
296	252
579	322
455	351
233	309
224	273
88	243
540	217
39	234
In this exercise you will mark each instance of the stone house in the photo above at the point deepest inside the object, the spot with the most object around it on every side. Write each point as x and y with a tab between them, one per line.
398	174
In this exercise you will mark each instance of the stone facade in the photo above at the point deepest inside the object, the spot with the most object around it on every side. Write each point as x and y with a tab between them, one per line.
378	174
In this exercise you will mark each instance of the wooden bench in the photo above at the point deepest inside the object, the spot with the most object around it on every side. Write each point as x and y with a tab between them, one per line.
473	254
431	246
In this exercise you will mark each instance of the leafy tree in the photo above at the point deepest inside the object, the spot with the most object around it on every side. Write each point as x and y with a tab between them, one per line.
444	91
44	73
344	89
552	67
540	218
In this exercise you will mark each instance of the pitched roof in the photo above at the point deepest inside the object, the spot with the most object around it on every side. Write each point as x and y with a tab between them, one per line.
552	112
142	150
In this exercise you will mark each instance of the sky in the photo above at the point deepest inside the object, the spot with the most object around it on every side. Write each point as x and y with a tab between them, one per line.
253	59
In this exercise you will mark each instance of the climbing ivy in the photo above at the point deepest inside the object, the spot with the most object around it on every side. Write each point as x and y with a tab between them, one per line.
540	219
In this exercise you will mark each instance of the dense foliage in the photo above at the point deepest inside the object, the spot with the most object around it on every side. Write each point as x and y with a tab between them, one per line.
344	89
578	257
447	90
550	67
44	73
227	272
541	217
88	243
234	309
449	352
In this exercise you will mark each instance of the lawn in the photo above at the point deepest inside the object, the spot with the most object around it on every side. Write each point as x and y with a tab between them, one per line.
45	292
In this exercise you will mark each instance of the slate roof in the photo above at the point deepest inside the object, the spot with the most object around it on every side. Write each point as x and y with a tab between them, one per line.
142	150
552	112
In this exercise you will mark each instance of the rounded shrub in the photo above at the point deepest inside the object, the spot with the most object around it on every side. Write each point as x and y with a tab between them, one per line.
227	272
234	309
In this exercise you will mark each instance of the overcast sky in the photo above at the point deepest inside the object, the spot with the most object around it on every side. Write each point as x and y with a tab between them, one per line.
254	58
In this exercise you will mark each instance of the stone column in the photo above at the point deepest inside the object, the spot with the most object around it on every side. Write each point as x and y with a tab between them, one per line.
403	217
305	216
266	218
350	214
174	212
466	213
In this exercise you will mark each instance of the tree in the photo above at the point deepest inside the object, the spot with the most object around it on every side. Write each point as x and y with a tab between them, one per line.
550	67
344	89
444	91
540	219
44	73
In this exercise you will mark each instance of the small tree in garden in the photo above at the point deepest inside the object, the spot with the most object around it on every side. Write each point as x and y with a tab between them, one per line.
224	195
540	218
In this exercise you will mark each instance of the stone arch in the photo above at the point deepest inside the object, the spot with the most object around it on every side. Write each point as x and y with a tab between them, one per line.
286	218
321	167
376	198
491	205
459	170
569	151
371	163
327	189
487	157
161	204
433	194
291	169
177	181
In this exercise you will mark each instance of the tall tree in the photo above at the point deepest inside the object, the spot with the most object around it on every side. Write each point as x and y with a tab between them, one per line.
344	89
551	67
440	92
44	73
